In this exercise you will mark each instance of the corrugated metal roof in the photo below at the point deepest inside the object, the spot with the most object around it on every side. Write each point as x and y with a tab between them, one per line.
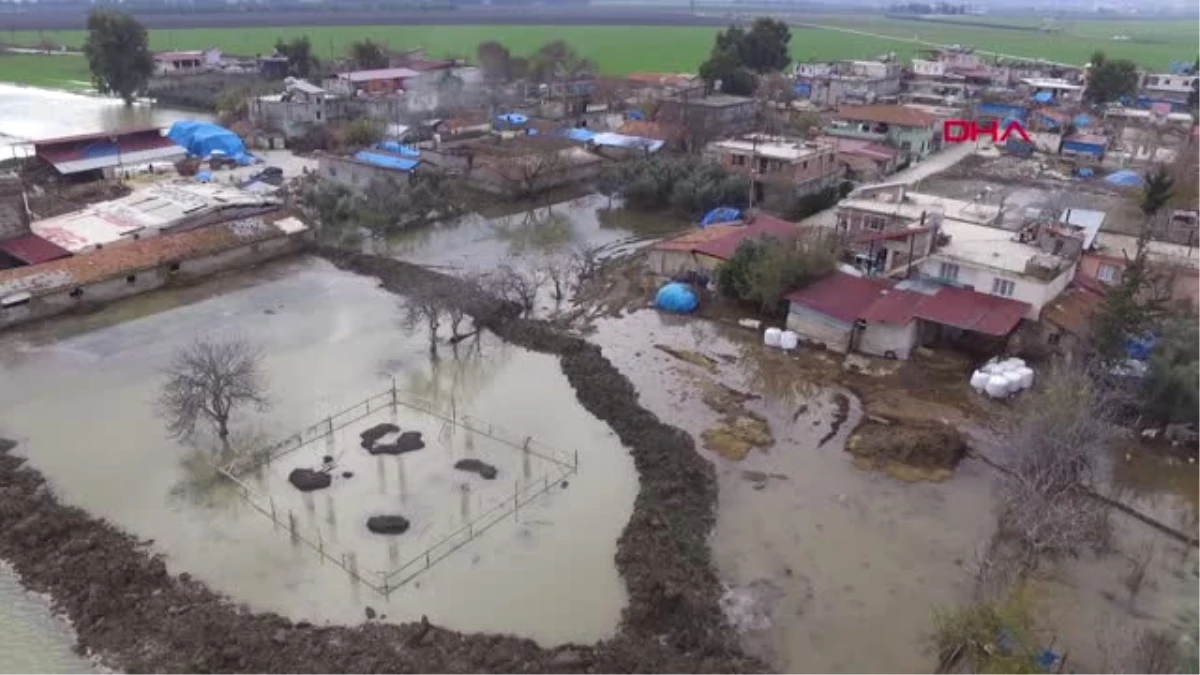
839	295
33	250
1088	221
887	114
763	226
378	74
690	240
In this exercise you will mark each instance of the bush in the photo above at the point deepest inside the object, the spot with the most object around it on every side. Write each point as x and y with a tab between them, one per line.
763	270
685	184
363	132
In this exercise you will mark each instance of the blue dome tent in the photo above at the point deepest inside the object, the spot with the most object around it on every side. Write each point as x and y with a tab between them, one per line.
719	215
203	139
677	298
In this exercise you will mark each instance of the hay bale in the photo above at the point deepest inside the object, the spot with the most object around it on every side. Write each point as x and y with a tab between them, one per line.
370	436
408	442
307	480
909	451
485	470
390	524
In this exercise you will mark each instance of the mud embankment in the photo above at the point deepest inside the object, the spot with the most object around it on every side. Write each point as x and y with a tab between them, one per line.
128	609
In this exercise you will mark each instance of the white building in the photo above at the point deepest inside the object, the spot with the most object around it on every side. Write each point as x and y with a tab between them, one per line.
993	261
1168	87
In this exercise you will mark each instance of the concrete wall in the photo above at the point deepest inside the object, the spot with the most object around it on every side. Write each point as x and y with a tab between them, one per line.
1185	283
816	327
14	219
1025	289
880	338
358	175
134	282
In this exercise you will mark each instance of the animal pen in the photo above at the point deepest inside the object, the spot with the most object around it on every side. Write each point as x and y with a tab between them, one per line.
503	505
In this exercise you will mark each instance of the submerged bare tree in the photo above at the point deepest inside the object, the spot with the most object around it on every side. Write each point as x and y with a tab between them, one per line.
558	273
585	263
209	380
424	307
517	285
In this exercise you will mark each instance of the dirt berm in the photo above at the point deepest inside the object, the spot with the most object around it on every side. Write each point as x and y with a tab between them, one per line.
128	609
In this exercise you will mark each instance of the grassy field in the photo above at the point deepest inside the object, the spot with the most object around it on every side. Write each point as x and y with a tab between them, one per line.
620	50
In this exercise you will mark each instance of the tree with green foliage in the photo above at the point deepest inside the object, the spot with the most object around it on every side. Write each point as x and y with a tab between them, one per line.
1157	191
762	271
1132	307
368	54
1109	80
558	61
1170	388
118	54
363	132
738	55
766	48
690	185
302	62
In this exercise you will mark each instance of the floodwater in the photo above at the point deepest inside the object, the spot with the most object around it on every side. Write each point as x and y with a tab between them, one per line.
32	639
79	397
483	242
849	563
31	113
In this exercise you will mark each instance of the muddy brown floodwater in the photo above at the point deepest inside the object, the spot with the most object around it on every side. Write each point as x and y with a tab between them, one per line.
79	398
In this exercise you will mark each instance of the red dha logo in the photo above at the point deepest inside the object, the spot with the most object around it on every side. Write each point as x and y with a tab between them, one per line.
969	131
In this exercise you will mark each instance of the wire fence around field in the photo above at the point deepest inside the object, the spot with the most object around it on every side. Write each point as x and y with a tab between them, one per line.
387	581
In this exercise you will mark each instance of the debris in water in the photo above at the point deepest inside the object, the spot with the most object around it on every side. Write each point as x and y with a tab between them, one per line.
327	459
749	607
370	613
695	358
910	451
307	480
347	474
842	404
484	469
378	431
408	441
388	524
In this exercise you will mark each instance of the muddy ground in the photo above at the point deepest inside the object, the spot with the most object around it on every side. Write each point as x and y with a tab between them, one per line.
127	608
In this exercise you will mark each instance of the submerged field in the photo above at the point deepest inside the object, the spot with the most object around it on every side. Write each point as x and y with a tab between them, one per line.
625	49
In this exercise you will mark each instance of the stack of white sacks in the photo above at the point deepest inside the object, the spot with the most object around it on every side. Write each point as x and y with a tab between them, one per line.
783	339
999	379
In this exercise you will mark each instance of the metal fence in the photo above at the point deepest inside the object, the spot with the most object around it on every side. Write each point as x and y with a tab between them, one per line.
385	582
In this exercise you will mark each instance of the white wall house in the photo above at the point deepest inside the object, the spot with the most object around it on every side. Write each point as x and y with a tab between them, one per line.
989	260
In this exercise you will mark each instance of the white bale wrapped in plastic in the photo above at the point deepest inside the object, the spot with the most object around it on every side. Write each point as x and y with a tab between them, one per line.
997	386
771	337
979	379
1017	363
789	340
1026	374
1014	381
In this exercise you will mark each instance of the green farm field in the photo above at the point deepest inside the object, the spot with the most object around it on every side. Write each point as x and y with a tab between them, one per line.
625	49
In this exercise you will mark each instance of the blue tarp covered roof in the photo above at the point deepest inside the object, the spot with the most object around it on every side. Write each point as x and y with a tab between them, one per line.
803	89
1000	109
1083	121
580	135
515	119
722	214
387	161
203	139
1044	97
630	142
397	148
636	115
1124	178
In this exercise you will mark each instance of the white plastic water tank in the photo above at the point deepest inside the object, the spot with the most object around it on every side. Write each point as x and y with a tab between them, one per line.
1017	363
979	380
997	386
1014	381
1026	374
771	337
789	340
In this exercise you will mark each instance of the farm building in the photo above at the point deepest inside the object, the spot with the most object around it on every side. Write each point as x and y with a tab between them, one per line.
704	250
95	156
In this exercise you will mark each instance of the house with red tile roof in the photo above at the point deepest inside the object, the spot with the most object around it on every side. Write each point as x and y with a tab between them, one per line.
914	132
704	250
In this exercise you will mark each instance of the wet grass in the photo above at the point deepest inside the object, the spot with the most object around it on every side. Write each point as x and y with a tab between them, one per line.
59	71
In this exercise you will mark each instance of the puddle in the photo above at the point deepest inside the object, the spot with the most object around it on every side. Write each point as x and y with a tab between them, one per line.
79	397
32	639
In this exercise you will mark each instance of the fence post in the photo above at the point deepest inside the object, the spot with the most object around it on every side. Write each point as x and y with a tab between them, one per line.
577	460
516	504
330	420
426	559
394	391
320	547
274	520
292	524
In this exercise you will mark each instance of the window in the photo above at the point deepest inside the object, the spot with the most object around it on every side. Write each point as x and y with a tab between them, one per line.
131	279
1003	287
804	165
762	164
738	160
173	267
948	271
1109	274
876	223
77	293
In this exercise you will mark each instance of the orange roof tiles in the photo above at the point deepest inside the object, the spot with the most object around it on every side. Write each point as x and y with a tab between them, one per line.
887	114
692	239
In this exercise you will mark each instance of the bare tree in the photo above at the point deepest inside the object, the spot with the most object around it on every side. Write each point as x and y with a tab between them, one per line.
1139	562
528	172
424	306
558	273
585	262
518	285
1062	432
1154	651
207	381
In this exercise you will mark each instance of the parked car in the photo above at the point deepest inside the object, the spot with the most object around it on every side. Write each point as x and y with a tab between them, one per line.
272	175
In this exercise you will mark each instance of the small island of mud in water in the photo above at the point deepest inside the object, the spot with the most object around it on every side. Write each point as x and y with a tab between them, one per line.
128	609
910	451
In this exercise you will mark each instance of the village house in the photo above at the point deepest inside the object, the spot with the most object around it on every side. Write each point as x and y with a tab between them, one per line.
65	284
514	164
953	75
714	115
846	312
1104	265
296	111
775	162
702	251
654	86
190	61
151	212
376	82
859	82
913	132
1171	88
357	172
1047	90
95	156
863	160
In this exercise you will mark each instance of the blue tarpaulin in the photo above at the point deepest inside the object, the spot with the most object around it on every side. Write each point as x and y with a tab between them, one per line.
1139	349
1018	112
721	214
204	177
802	89
1083	121
1044	97
387	161
515	119
397	148
636	115
580	135
203	139
1124	178
1086	172
676	297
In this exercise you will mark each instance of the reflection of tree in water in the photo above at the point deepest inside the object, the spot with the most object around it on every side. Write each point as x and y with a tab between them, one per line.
769	373
202	484
640	223
459	378
539	231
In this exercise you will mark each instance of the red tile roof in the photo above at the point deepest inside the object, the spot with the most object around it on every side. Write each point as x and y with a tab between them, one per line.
96	136
1058	116
899	115
763	226
842	296
127	144
659	131
690	240
1072	311
32	249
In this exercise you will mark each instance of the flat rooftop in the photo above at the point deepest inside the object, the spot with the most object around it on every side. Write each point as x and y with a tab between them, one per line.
1124	245
988	247
916	203
788	149
157	207
1051	83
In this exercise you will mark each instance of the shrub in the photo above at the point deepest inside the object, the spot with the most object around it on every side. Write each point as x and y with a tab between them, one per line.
762	271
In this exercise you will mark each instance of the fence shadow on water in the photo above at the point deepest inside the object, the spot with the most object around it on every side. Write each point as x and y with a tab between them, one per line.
388	581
